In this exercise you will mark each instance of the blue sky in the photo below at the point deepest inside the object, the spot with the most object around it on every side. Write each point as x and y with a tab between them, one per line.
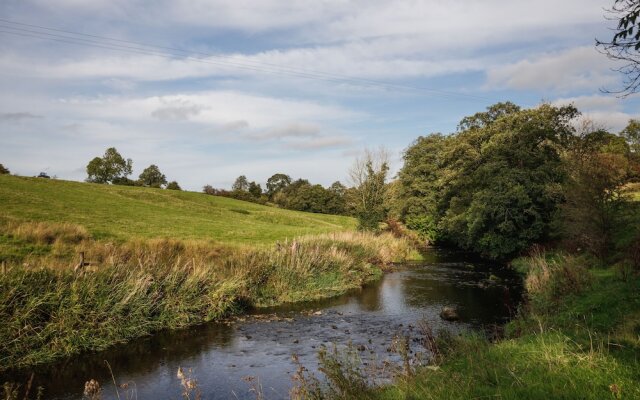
207	120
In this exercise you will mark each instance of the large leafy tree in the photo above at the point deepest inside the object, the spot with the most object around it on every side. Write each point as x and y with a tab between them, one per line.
492	187
109	168
4	170
152	177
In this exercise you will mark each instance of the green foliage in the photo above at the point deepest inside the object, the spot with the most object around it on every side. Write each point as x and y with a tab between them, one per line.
173	185
494	186
369	175
255	190
632	134
111	166
241	184
4	170
152	177
276	183
598	165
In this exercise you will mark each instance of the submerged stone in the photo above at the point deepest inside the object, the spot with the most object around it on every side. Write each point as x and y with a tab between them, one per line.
449	314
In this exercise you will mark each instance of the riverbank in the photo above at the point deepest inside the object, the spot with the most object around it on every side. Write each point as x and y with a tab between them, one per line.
130	289
577	338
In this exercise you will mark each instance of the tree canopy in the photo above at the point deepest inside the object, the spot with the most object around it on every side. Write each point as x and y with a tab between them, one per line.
109	168
493	186
173	185
4	170
152	177
276	183
241	184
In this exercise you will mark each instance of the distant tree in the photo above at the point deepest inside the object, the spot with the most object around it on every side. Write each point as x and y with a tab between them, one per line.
4	170
625	44
335	199
338	188
124	181
173	185
208	189
368	175
241	184
152	177
111	166
631	133
254	189
277	183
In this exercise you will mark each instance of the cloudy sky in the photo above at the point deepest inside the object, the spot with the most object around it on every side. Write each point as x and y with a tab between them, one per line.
211	89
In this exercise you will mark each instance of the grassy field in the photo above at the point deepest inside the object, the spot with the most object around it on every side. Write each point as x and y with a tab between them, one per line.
120	212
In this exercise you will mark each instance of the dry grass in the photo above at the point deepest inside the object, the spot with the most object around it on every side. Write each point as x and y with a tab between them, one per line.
52	308
549	279
45	232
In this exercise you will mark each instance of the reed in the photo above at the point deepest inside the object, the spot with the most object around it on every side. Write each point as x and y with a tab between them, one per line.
51	307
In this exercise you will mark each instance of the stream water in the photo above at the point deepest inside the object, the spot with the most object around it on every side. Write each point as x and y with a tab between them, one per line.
261	344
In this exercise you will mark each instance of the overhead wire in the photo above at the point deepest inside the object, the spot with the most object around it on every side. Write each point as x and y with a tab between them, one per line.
97	41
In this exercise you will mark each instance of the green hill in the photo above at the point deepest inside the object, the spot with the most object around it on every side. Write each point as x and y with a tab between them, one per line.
121	212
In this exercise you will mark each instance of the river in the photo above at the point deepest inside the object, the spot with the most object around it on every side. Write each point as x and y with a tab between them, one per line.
260	344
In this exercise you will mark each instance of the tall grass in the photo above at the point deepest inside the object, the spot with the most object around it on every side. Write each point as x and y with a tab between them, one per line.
50	308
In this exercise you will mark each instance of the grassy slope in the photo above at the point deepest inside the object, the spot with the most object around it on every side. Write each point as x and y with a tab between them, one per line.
120	212
588	347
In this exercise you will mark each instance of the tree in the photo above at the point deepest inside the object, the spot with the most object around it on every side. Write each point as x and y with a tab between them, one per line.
495	185
255	190
625	44
109	167
208	189
173	185
277	183
152	177
598	168
4	170
241	184
368	175
631	133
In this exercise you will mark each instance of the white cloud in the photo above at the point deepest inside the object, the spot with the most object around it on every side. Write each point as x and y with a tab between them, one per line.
573	69
606	111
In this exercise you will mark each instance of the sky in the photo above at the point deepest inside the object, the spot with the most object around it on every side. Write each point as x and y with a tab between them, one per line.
210	89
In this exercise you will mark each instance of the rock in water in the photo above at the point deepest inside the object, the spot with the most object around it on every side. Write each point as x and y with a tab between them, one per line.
449	314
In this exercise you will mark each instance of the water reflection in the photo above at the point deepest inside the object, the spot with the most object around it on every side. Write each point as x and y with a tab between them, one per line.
261	345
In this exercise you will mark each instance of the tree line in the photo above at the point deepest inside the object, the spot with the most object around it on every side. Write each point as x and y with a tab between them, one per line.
281	190
114	169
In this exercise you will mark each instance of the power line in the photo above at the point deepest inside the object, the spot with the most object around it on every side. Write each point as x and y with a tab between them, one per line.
236	62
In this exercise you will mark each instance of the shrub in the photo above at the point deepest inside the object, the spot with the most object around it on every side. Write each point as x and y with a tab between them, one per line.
548	280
